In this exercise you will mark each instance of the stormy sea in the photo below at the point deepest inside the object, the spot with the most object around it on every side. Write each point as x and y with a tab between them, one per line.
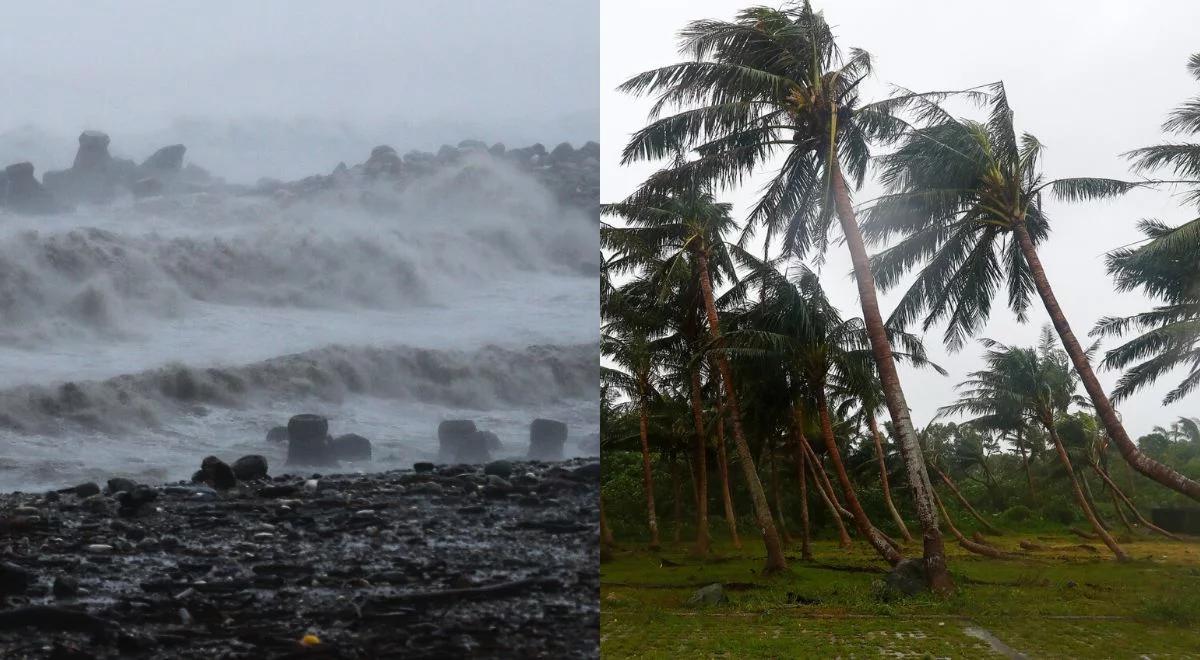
152	314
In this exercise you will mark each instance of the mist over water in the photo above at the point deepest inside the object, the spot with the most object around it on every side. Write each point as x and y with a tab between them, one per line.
138	337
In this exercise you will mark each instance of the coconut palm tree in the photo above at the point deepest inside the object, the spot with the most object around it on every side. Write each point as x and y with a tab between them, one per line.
1040	381
794	321
635	376
774	81
965	201
673	227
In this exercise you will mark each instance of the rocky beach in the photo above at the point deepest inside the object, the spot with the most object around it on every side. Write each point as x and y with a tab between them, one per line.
497	559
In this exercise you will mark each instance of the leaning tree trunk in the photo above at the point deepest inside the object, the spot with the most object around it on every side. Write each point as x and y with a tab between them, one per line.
966	504
762	512
723	467
964	542
648	477
893	394
1025	463
883	479
1112	486
703	540
783	531
828	496
1079	496
801	459
861	521
1104	408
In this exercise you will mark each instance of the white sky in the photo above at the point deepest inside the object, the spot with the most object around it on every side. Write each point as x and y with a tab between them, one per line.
1091	79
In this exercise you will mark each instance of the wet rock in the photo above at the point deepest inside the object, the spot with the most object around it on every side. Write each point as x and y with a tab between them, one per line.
217	473
546	440
905	579
22	192
713	594
249	468
474	448
118	484
95	175
278	434
423	467
502	469
14	580
351	447
87	489
99	549
452	433
589	472
384	162
65	586
167	160
308	441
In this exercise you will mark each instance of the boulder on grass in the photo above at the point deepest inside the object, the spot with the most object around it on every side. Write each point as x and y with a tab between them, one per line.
905	579
713	594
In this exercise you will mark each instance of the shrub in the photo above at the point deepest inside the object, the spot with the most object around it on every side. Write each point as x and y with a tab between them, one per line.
1017	514
1059	512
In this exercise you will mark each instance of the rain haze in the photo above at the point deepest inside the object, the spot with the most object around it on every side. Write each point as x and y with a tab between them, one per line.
287	89
385	215
1090	84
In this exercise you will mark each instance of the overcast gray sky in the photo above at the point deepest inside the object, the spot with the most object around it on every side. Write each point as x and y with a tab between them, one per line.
1091	79
135	66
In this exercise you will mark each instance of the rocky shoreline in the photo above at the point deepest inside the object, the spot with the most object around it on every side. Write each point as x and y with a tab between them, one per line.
494	560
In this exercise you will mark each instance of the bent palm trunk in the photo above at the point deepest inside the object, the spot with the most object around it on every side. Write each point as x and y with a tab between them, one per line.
1025	463
723	467
885	550
1079	496
966	504
881	348
883	479
762	512
1129	503
798	437
964	542
827	496
1104	408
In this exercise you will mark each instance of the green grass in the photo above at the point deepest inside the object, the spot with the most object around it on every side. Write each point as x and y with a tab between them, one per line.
1062	602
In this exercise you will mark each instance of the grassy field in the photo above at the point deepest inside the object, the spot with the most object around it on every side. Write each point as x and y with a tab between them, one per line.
1067	600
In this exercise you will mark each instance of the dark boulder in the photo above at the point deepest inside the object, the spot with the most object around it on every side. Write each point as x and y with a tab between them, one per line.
906	579
451	434
351	447
491	440
563	152
216	473
120	484
132	501
502	469
87	489
14	580
23	193
249	468
168	160
65	586
277	434
384	162
474	448
423	467
308	441
546	440
95	175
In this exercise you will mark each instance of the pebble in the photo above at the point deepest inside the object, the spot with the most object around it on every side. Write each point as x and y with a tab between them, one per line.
99	548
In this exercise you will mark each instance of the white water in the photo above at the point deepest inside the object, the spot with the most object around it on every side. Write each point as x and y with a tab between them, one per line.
191	326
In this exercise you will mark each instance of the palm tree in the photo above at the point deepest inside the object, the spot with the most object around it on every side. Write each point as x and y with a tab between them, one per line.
795	321
1041	382
666	227
1165	268
636	378
771	81
965	199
